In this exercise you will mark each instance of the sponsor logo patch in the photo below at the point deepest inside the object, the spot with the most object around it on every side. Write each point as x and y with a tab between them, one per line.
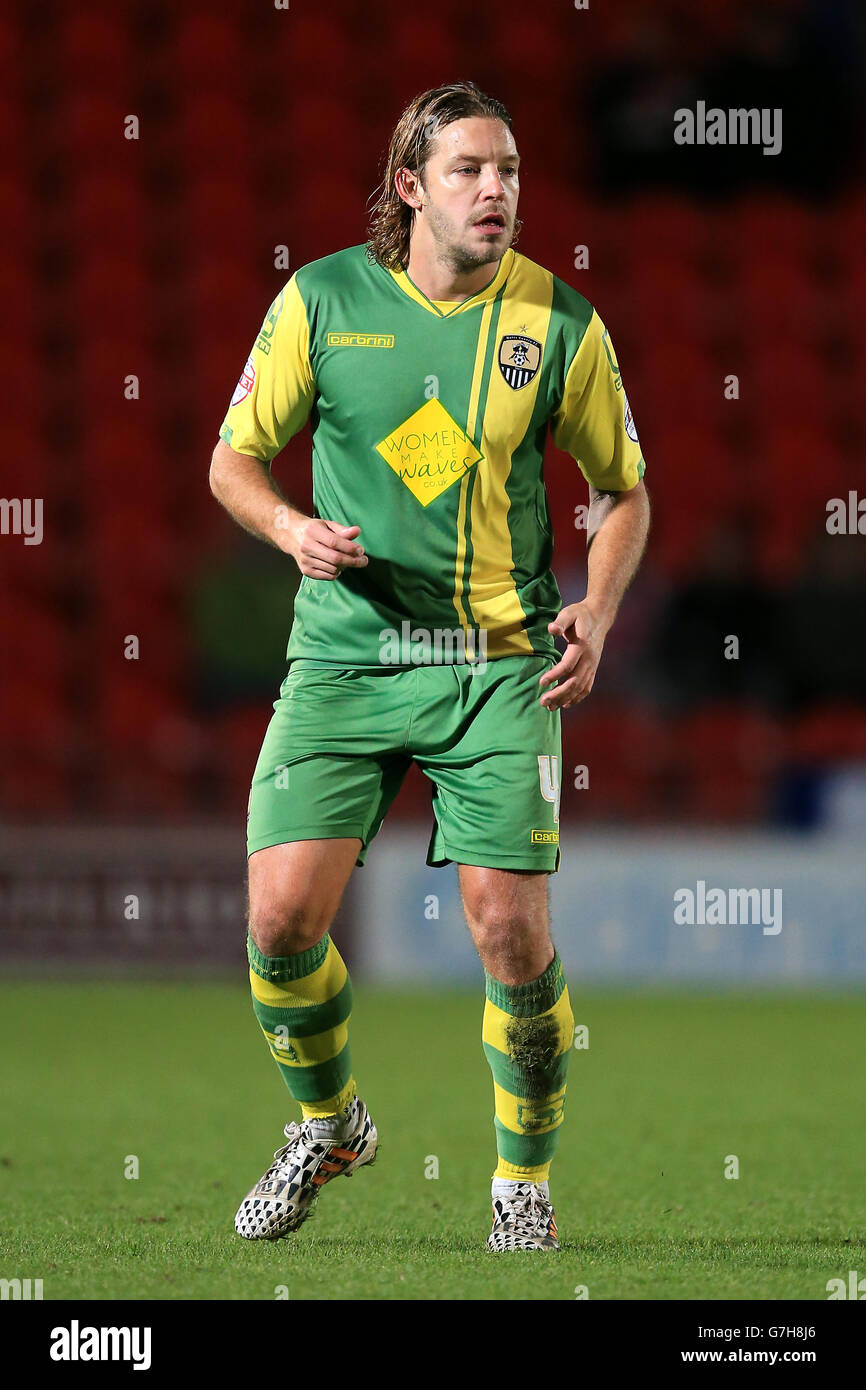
519	359
246	383
376	340
429	452
544	837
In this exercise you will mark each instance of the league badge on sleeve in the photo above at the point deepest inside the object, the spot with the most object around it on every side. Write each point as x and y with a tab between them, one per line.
629	420
246	383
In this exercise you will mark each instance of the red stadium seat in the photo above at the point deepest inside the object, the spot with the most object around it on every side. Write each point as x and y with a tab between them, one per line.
39	744
727	757
624	753
323	133
673	228
15	151
151	745
774	230
20	213
325	217
24	372
98	44
107	209
845	236
776	299
830	733
207	198
423	51
342	40
132	545
204	48
793	384
231	744
675	303
215	134
544	43
91	133
217	290
111	289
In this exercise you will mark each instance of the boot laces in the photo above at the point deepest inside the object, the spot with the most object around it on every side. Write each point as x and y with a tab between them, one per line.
527	1206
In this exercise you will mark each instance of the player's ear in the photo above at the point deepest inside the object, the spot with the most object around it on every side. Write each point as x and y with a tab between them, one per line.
407	185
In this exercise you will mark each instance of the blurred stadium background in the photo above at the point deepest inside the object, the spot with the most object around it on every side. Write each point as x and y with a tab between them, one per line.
155	258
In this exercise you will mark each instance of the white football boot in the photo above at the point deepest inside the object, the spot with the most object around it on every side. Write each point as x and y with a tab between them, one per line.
317	1151
523	1216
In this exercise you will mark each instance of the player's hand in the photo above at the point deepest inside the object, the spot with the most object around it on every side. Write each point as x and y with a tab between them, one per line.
584	629
323	549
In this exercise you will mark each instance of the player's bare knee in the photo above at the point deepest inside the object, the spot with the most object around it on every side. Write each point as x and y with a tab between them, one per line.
281	928
507	943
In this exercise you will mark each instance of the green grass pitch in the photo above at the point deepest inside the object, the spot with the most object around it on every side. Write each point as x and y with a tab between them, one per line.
670	1085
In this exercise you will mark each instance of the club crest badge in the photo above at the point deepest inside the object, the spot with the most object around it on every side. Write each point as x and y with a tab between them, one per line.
519	359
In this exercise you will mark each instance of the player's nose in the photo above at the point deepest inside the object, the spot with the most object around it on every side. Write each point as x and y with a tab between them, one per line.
493	185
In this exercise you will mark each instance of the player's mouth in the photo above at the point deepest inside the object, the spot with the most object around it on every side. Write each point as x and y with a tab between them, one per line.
492	224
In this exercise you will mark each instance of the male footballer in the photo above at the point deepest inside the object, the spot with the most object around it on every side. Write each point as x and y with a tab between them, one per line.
431	363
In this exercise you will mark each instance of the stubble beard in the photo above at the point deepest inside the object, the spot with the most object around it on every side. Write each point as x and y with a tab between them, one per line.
457	257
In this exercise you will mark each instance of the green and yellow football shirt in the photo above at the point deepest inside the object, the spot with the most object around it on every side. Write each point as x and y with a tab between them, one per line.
429	424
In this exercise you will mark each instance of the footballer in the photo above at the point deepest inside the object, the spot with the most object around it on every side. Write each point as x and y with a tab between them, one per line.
431	362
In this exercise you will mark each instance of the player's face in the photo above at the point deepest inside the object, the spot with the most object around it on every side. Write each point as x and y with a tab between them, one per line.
471	191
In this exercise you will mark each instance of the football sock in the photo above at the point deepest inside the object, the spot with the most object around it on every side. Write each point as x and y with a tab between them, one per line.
528	1032
303	1003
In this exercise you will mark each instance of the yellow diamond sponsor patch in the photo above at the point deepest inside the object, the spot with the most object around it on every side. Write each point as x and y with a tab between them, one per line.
429	452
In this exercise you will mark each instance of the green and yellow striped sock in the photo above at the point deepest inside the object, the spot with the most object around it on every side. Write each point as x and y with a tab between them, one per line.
528	1032
303	1003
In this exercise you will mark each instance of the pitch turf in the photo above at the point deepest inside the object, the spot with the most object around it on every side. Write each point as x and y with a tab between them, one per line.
178	1075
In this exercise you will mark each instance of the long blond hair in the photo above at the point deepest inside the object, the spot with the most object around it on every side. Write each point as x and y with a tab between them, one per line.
411	145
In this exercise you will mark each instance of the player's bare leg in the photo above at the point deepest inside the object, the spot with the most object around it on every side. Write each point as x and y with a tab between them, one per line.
508	917
528	1032
295	890
302	999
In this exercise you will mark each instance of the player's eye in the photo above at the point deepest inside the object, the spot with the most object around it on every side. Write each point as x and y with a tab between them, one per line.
467	170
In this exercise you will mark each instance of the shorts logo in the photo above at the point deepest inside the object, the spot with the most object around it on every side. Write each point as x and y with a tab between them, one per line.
375	340
629	421
519	359
246	383
544	837
548	776
429	451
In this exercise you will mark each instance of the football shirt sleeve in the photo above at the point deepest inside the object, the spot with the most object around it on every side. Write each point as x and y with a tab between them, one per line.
593	421
276	391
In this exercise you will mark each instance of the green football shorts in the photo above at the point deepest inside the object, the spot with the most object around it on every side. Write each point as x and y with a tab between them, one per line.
341	741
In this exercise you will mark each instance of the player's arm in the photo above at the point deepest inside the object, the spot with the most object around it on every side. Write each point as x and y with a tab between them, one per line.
272	402
594	424
244	486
